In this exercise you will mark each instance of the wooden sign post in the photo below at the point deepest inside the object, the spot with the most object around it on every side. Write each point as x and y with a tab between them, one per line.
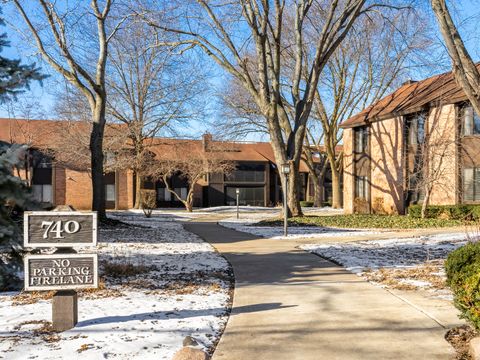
65	270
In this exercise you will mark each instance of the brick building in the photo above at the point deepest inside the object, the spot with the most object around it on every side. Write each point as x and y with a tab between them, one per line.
384	142
53	183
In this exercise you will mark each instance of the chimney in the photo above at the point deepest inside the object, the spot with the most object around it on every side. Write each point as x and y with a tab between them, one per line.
409	82
206	138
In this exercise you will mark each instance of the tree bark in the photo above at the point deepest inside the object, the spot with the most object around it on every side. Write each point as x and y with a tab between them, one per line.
336	190
138	189
294	194
464	68
318	193
96	149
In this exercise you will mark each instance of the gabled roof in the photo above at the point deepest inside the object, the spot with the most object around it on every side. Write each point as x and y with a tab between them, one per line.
409	98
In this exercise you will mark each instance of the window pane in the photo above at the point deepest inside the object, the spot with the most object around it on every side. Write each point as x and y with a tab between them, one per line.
476	184
47	193
468	120
37	192
476	124
168	195
421	128
160	194
183	193
110	192
468	188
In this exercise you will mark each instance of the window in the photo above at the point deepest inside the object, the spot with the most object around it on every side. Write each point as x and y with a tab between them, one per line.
361	140
110	192
247	173
253	196
416	128
167	195
470	121
42	193
182	192
361	189
471	184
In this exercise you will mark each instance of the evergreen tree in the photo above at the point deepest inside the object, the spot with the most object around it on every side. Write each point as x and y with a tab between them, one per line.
14	76
14	193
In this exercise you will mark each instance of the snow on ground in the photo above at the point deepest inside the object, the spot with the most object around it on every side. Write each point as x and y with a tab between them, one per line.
176	286
407	263
247	224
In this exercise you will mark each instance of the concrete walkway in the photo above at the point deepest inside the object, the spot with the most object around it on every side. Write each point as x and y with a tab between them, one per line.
289	304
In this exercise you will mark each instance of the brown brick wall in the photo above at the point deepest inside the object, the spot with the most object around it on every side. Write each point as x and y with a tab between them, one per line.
60	185
78	189
387	170
125	190
443	154
348	171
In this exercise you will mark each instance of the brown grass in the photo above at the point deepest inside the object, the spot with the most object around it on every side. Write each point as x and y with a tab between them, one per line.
395	278
120	270
459	338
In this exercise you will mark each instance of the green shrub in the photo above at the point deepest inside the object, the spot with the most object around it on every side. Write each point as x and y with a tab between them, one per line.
451	212
463	277
306	203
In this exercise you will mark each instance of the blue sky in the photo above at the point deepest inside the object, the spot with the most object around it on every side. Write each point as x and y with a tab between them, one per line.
466	12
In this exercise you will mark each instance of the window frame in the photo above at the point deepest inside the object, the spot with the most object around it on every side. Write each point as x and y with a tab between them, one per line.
473	130
361	133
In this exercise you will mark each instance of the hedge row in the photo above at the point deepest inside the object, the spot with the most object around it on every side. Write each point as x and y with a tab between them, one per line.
451	212
463	277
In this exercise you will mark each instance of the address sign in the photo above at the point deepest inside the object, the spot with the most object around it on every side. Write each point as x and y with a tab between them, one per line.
60	229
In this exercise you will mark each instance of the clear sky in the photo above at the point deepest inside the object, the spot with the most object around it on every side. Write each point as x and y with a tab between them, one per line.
41	99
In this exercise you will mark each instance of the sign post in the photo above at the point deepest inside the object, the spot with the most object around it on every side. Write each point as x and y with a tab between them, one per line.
65	270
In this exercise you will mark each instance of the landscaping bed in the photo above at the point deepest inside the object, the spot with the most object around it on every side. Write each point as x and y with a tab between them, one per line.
158	285
367	222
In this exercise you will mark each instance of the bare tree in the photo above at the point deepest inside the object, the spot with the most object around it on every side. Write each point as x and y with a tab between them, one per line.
466	73
432	148
372	60
191	164
247	39
153	88
54	29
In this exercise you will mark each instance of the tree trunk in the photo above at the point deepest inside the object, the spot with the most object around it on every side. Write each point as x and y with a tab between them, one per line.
294	194
96	149
318	194
336	190
425	203
138	189
188	206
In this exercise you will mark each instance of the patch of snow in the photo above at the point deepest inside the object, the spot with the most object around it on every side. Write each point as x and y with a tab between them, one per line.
180	294
397	253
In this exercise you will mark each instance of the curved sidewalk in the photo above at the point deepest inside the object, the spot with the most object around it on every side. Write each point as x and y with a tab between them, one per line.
289	304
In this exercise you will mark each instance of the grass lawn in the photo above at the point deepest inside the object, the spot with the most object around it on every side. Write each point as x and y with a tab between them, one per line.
367	222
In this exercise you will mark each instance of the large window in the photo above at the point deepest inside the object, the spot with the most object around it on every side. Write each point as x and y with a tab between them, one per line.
42	193
361	140
254	196
470	120
416	128
361	187
471	184
247	173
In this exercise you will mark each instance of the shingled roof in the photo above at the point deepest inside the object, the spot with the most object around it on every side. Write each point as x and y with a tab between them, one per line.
45	133
411	97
